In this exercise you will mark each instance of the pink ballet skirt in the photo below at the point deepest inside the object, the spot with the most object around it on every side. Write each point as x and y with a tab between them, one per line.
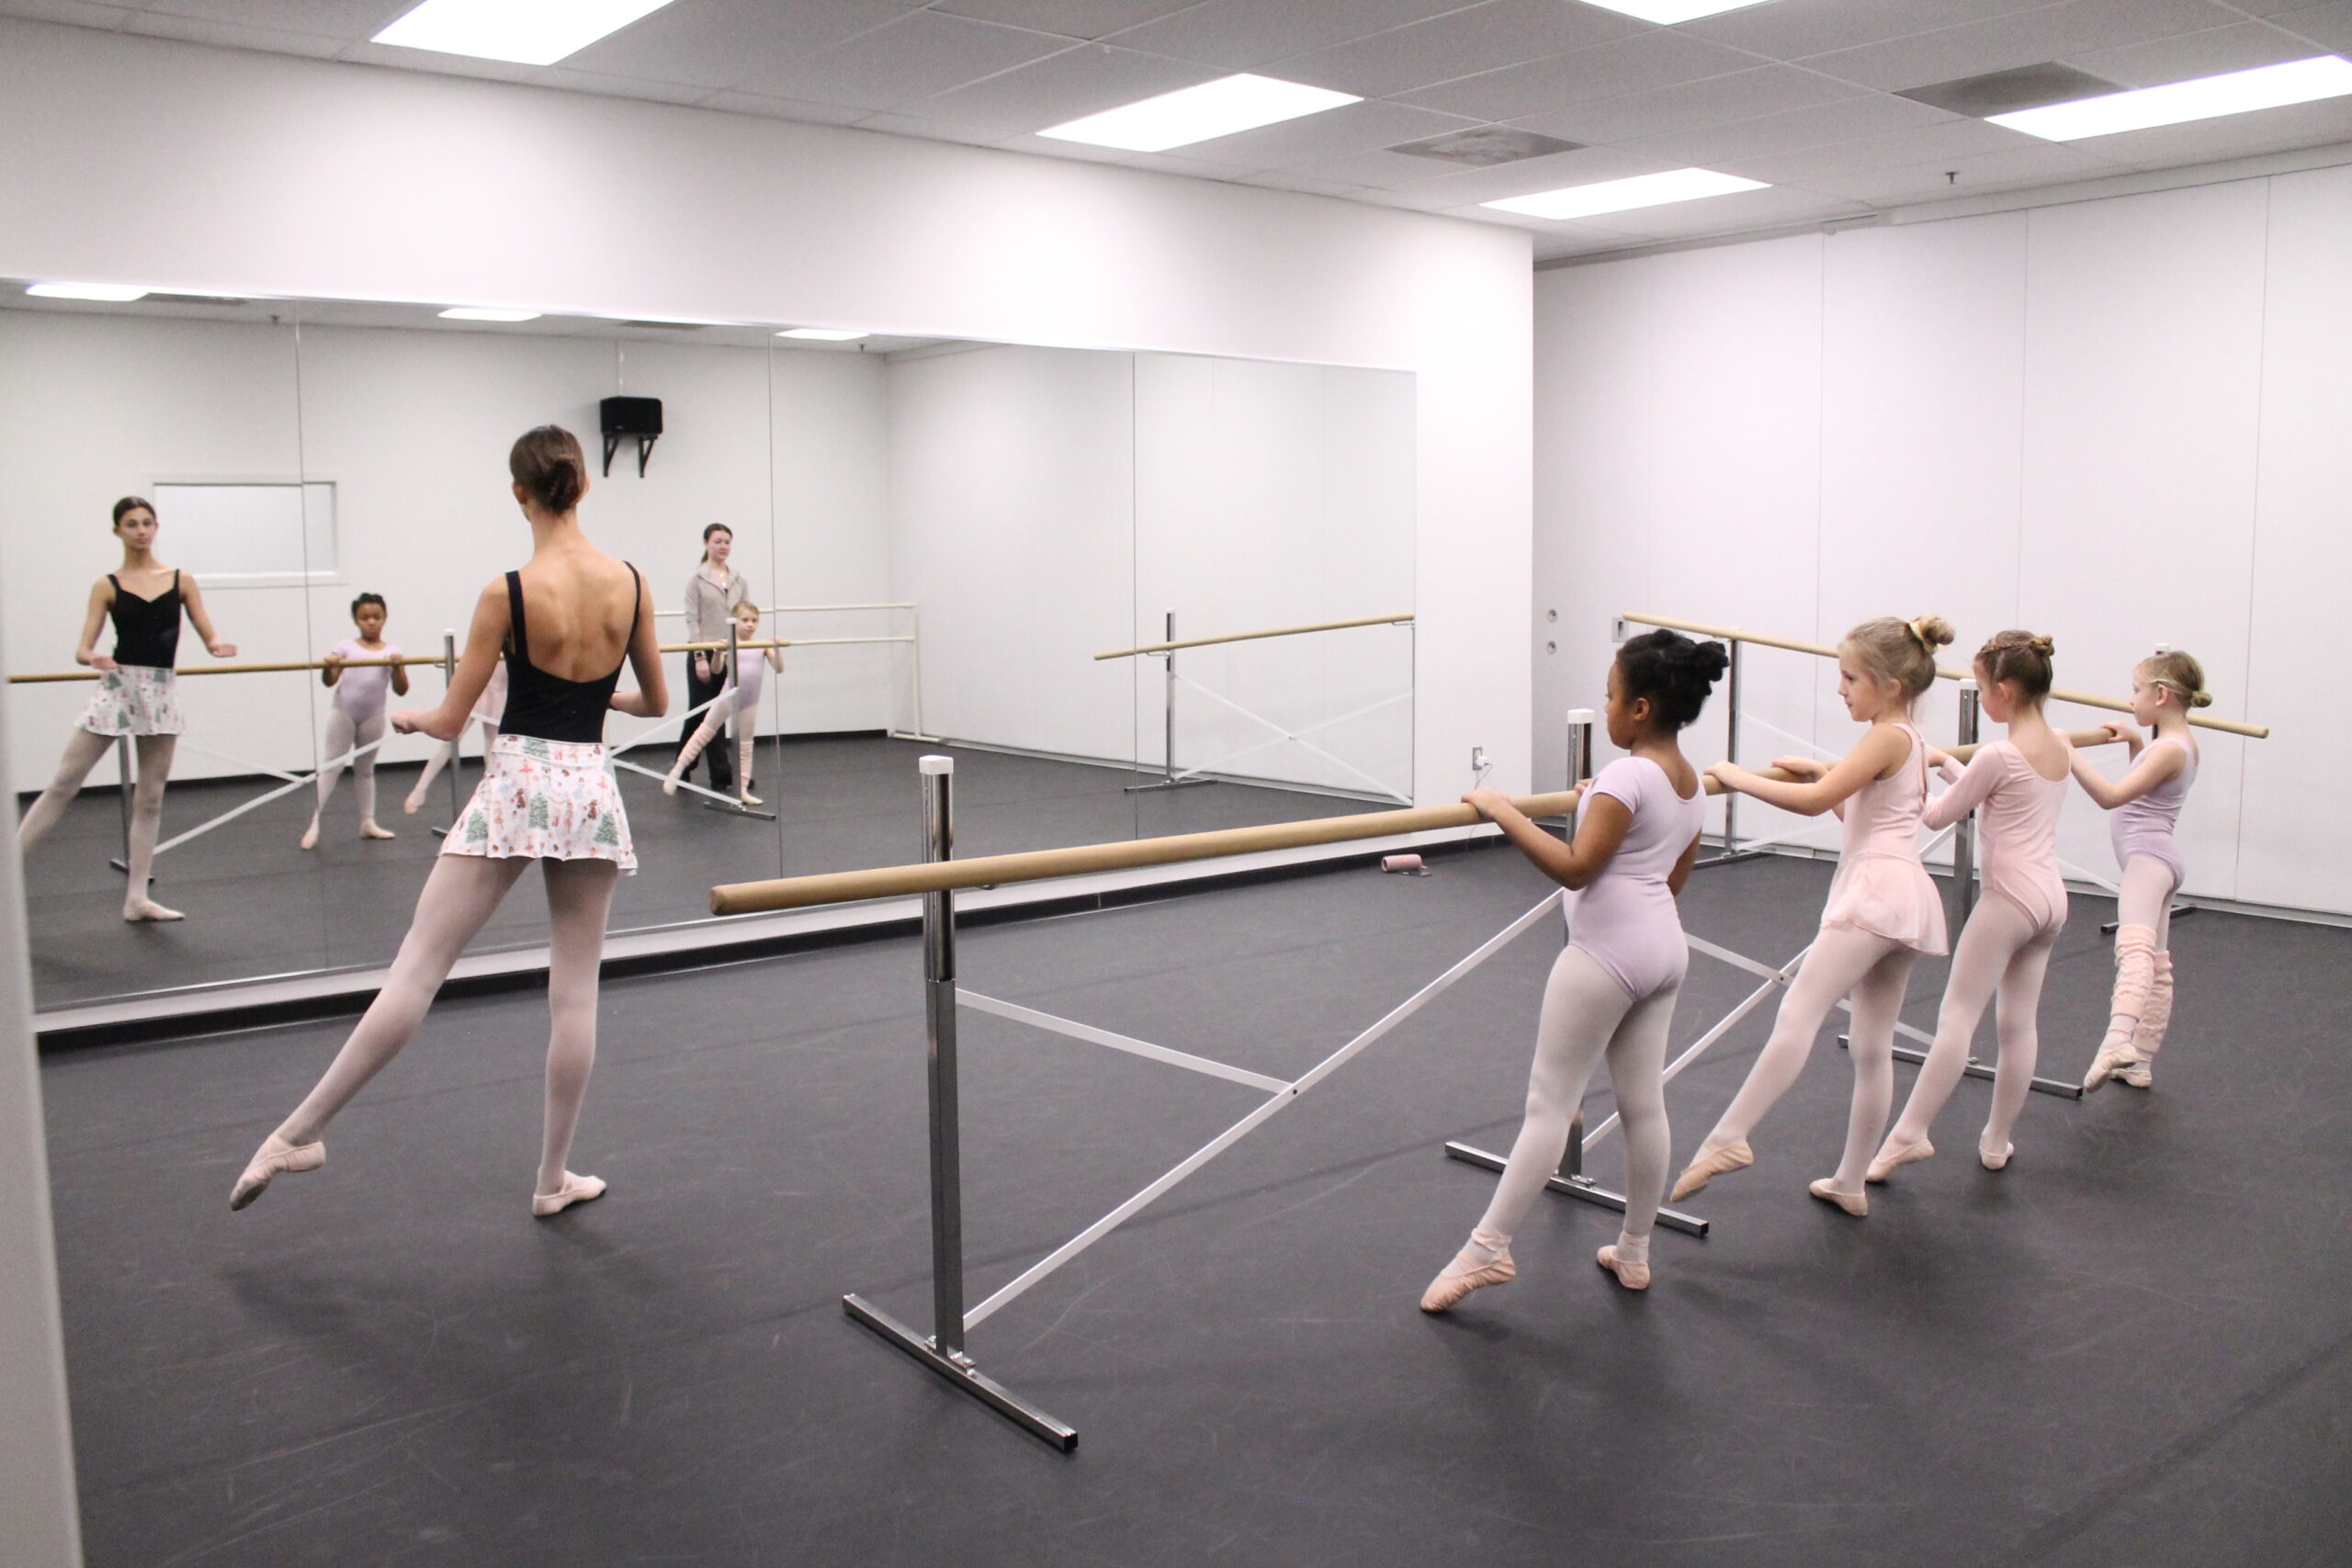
545	800
1881	887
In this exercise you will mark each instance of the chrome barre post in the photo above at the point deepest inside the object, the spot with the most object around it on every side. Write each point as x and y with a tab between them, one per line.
1963	839
123	766
1167	657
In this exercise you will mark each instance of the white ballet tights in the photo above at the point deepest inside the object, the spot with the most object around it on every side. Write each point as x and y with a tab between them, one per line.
2146	897
1874	970
343	737
459	898
442	755
154	770
1587	1015
2001	955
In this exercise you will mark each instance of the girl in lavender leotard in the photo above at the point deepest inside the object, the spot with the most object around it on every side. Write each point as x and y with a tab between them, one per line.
1612	991
2146	802
1882	911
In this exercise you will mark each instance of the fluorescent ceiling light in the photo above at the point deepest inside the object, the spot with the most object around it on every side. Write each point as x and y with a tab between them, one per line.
469	313
110	293
1623	196
529	32
821	334
1665	13
1216	108
2238	92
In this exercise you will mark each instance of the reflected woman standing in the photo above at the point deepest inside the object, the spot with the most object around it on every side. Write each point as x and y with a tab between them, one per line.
138	694
713	593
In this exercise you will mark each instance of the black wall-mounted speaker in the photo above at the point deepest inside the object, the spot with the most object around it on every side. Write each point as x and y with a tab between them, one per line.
623	417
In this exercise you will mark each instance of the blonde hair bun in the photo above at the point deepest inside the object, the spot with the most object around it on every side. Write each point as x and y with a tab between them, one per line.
1933	631
2202	700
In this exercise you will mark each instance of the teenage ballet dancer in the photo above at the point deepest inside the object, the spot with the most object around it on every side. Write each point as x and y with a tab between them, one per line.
138	694
357	719
487	708
713	591
1883	911
740	701
2018	786
1612	989
2146	802
570	620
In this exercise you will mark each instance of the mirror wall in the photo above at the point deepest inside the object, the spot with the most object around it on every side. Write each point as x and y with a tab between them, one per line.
948	534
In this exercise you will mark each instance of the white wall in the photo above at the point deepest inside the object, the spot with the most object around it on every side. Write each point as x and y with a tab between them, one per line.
2118	422
276	175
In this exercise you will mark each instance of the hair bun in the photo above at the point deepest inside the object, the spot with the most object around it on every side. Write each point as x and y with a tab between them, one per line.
2202	700
2044	647
1933	631
1710	658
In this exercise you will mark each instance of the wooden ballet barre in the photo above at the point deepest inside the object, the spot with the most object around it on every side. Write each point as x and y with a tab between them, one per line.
1403	620
410	661
2057	694
723	647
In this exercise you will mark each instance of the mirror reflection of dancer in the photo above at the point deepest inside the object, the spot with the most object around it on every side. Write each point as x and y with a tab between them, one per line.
740	701
1612	989
570	620
358	718
488	709
137	695
2146	802
1883	913
712	594
2018	785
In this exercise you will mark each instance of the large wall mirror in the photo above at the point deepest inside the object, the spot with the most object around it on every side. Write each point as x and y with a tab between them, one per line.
969	547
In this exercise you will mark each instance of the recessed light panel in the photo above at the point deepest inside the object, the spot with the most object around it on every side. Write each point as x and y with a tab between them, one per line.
821	334
1624	196
528	32
105	293
471	313
1216	108
2206	98
1665	13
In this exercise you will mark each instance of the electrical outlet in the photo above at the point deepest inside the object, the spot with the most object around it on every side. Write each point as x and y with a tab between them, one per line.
1478	763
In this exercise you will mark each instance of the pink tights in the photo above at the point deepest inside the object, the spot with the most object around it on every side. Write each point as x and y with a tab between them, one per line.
2003	954
458	900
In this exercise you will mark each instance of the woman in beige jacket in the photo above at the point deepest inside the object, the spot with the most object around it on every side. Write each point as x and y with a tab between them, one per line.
712	593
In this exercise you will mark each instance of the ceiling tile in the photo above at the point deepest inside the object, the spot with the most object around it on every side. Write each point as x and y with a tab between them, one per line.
783	108
2279	9
622	87
1242	35
745	44
1749	209
1070	19
367	53
346	19
1285	179
234	35
1463	43
1687	105
1585	165
1955	140
2329	25
1334	133
2188	55
2048	163
1079	80
73	12
2053	32
1658	57
916	57
928	129
2234	136
1791	29
1823	125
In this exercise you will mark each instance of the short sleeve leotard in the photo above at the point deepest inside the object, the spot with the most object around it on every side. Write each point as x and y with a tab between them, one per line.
2144	827
360	692
2017	811
1881	887
749	678
1624	919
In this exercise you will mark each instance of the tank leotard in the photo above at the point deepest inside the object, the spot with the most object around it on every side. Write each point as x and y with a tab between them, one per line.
146	631
1625	918
1881	887
2144	827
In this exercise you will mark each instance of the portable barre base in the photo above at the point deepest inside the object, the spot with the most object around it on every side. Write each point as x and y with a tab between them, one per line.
1166	783
1574	1184
735	808
1977	1069
960	1373
1730	857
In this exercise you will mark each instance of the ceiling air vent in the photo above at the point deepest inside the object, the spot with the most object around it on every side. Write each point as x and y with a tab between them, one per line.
664	326
1485	146
193	300
2005	92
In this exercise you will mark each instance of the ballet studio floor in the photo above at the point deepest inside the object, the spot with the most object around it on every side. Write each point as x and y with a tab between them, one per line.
2130	1348
257	905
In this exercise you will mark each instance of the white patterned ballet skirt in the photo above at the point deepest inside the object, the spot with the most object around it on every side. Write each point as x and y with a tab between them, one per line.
134	699
545	800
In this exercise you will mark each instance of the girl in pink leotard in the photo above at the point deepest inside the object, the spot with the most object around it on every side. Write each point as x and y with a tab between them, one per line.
1612	991
2018	785
1883	911
2146	802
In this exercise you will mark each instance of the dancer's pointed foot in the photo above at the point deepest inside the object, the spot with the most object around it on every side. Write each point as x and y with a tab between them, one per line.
2139	1073
575	1189
138	910
1468	1273
1993	1159
1854	1203
746	797
409	806
1713	1162
310	836
670	784
369	829
1635	1275
1891	1154
2115	1059
274	1157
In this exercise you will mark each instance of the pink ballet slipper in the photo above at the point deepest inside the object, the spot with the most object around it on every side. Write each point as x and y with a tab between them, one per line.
1632	1275
1995	1160
1854	1203
1466	1274
576	1189
1891	1155
2116	1059
1712	1163
274	1157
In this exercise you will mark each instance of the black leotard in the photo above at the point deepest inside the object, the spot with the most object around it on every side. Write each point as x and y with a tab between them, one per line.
549	707
146	631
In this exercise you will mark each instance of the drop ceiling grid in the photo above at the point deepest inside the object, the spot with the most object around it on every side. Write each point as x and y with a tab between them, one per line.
1800	93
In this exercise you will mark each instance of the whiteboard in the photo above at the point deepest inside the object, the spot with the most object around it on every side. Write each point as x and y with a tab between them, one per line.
257	533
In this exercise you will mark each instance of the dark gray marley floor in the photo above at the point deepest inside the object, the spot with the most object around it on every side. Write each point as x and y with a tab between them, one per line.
258	904
2130	1348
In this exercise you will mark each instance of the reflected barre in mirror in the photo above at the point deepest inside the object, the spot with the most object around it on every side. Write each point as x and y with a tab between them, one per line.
934	538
